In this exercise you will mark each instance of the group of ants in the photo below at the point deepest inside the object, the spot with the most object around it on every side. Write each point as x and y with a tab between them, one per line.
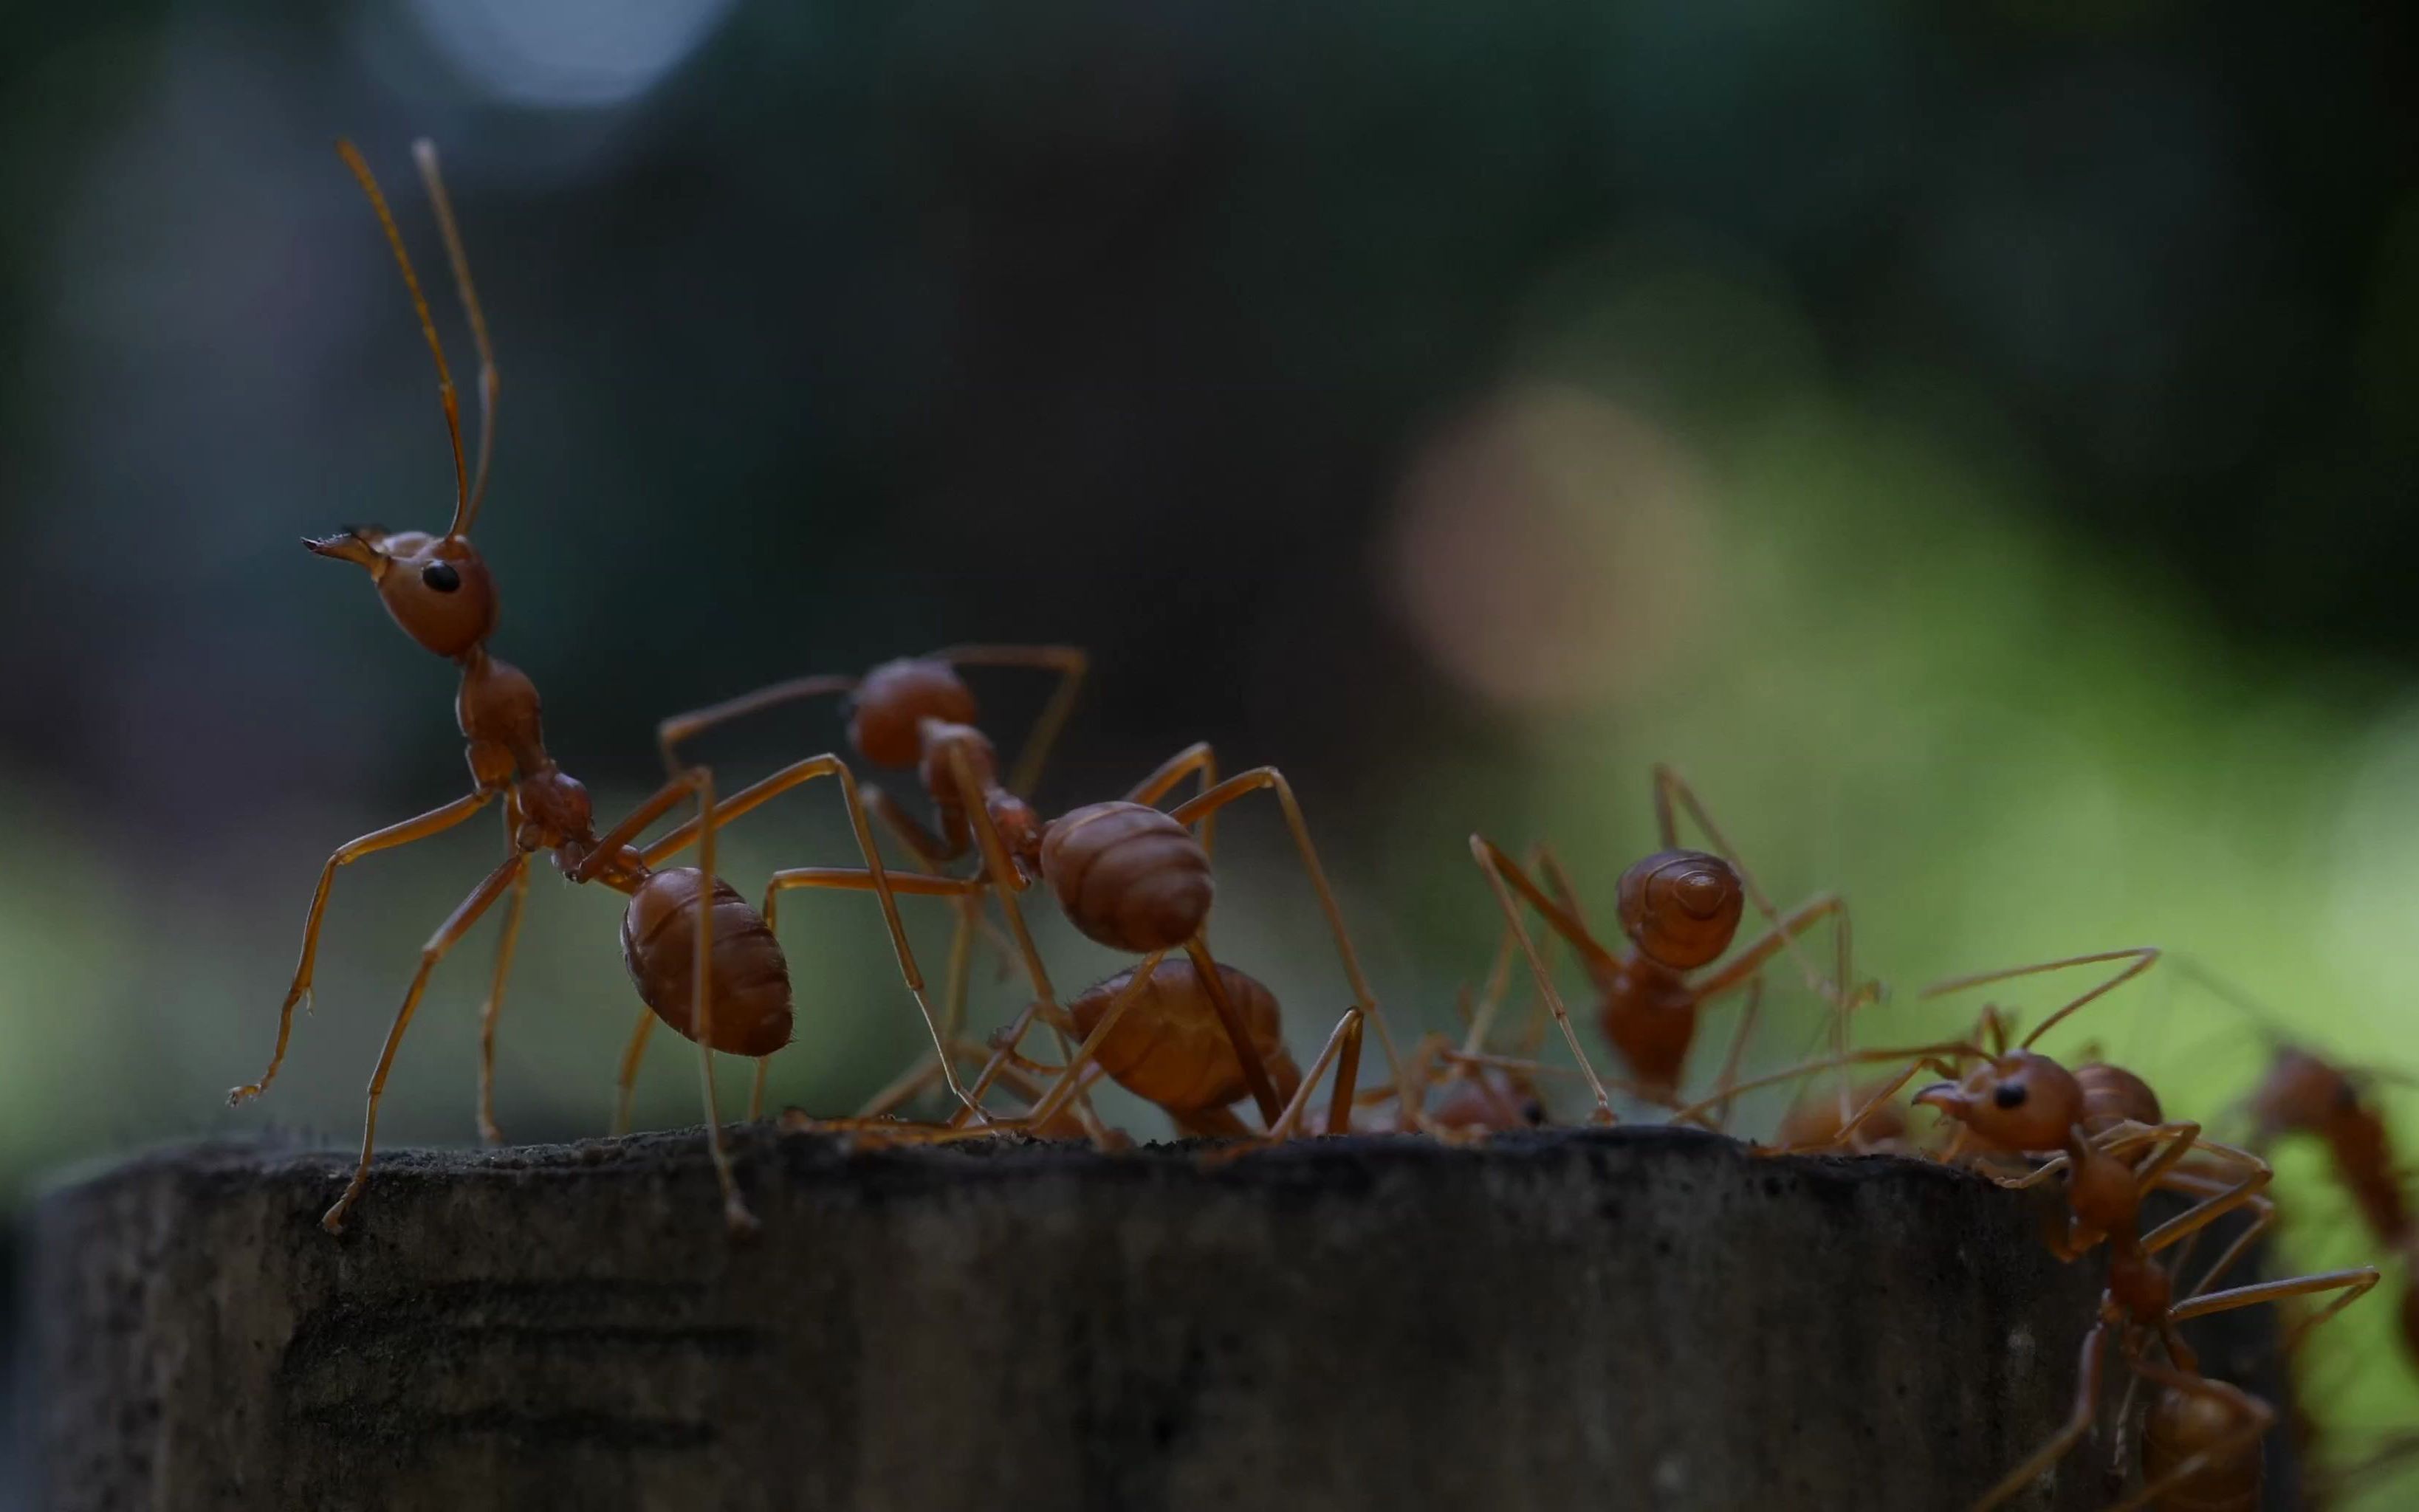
1197	1037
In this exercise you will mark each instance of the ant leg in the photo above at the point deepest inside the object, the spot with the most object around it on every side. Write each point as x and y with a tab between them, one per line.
1365	1001
1256	1074
1504	877
1006	881
1669	788
1069	662
1747	966
2141	956
1196	758
493	1008
1781	936
1199	757
2348	1284
1070	1081
436	821
859	879
2253	1419
1737	1049
1548	865
1346	1031
1348	1073
631	1056
903	1088
2263	1217
934	856
456	924
735	1215
2078	1422
2159	1171
756	1093
1855	1118
797	774
1498	974
672	731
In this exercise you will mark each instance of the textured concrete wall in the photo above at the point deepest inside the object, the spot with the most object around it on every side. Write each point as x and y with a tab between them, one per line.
1632	1318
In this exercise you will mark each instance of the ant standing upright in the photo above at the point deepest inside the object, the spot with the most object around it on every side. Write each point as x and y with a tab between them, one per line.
701	959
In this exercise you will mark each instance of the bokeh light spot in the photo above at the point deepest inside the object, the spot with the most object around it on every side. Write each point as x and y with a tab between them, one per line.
1547	549
568	55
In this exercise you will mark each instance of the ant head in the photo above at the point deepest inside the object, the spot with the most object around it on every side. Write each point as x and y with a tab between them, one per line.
1681	907
2301	1093
890	705
2019	1100
434	586
1019	826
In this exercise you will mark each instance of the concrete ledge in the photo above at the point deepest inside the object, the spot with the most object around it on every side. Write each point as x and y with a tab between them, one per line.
1633	1317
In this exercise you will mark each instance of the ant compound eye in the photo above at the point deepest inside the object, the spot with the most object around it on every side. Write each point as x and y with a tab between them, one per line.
441	577
2008	1095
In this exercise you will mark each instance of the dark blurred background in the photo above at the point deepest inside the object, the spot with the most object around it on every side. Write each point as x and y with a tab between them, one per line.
1975	443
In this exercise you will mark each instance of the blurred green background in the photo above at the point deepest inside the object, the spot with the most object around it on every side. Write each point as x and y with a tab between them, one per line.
1976	443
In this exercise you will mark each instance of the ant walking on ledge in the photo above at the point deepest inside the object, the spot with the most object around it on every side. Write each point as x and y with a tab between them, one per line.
885	708
2201	1441
702	960
1127	874
1681	910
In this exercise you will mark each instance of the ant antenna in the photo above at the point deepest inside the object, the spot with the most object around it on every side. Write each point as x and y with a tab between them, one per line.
2141	956
423	152
2262	1017
352	157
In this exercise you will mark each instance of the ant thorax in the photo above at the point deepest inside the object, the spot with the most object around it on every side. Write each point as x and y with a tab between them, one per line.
1649	1012
498	708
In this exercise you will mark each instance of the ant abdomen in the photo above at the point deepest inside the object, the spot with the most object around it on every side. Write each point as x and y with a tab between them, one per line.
751	977
1170	1048
2182	1424
1682	907
1128	875
890	704
1649	1013
2112	1095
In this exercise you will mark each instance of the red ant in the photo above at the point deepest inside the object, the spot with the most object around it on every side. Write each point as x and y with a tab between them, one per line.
701	959
2201	1441
2201	1436
1127	874
1681	910
883	707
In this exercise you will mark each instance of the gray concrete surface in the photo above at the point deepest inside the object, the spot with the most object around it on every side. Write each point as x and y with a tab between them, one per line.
1621	1318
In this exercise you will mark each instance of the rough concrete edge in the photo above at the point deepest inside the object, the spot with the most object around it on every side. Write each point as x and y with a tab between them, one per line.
759	1148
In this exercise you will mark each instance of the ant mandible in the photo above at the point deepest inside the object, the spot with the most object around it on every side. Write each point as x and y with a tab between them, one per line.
700	958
